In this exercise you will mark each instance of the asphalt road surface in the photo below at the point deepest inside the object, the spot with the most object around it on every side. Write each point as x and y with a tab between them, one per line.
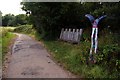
30	59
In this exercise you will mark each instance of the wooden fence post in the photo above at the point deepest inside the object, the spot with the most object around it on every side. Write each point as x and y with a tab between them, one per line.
69	34
77	36
73	33
61	34
65	35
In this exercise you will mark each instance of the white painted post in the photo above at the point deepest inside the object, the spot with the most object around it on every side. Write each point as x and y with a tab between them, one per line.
65	36
69	34
77	36
73	35
61	34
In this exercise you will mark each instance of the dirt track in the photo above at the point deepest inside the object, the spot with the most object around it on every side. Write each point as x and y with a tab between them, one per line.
30	59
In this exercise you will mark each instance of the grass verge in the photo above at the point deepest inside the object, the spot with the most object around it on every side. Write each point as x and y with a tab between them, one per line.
74	57
5	41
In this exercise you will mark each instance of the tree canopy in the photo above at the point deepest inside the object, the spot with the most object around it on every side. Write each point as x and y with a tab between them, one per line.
11	20
48	18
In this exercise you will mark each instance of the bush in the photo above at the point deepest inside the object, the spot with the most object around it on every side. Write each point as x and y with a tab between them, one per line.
94	72
27	29
75	57
108	57
4	32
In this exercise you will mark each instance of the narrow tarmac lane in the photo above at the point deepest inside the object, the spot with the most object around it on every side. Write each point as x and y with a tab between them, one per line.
31	60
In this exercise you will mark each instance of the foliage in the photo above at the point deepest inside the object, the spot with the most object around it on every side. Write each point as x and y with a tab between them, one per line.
109	49
11	20
49	18
75	58
20	19
113	17
8	19
27	29
6	38
0	47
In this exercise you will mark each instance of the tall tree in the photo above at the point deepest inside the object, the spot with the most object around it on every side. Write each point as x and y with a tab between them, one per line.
49	18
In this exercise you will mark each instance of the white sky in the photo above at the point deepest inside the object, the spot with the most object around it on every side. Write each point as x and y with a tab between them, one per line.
11	6
14	7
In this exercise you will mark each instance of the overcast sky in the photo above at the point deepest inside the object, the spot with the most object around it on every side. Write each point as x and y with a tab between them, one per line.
11	6
14	7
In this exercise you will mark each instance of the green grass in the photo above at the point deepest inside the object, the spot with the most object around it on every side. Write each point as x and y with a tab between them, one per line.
0	49
5	40
74	57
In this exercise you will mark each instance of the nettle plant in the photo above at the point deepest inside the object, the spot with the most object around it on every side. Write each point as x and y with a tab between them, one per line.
108	57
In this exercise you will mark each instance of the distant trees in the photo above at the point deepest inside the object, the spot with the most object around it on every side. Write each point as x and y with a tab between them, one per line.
49	18
7	19
11	20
